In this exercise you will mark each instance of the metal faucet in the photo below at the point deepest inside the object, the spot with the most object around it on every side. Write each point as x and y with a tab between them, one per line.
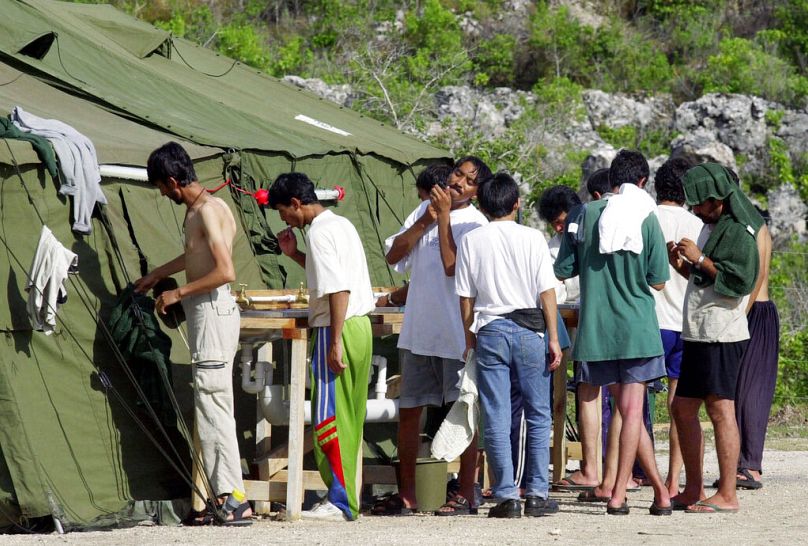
242	299
302	297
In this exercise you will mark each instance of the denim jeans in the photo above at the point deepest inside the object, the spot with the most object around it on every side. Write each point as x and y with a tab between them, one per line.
502	347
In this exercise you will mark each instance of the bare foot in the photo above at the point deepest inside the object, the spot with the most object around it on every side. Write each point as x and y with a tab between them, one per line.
578	478
755	474
672	487
713	505
683	500
600	491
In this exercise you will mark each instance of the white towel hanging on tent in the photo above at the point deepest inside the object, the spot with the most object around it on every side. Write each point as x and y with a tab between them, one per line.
46	291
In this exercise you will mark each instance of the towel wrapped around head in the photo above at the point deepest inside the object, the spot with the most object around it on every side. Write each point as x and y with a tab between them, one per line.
731	245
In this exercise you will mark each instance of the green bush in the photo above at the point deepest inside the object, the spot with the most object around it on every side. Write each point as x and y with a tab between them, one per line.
437	40
666	10
652	142
197	24
291	57
789	291
560	43
494	62
626	60
792	17
745	66
243	43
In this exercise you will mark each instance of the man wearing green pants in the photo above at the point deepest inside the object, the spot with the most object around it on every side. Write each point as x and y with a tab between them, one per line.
340	297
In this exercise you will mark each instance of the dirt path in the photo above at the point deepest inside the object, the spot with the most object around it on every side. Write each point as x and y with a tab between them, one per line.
776	514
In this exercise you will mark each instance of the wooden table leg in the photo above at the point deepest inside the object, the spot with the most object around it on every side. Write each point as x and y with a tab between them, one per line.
297	397
559	454
599	443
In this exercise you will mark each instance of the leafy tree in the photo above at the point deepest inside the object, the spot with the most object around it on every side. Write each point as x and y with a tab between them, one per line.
494	61
562	44
746	66
792	16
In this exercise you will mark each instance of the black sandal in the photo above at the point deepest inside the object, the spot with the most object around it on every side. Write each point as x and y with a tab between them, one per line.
239	520
392	505
199	519
458	506
748	481
621	510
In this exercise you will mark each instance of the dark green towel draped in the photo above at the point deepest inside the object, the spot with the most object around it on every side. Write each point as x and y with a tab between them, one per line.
731	245
41	146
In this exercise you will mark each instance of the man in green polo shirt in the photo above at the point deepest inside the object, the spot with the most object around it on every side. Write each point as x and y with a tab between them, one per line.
617	249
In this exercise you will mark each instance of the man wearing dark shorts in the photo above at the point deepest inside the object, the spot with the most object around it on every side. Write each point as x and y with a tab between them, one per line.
722	267
617	248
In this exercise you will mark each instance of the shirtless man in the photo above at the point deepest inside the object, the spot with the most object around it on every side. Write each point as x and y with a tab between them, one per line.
212	314
758	374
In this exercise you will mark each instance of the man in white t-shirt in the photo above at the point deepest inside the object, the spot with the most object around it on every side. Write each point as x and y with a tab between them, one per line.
677	223
506	285
340	297
431	342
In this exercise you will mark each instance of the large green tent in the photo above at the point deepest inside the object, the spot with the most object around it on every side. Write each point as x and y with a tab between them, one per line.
148	75
70	448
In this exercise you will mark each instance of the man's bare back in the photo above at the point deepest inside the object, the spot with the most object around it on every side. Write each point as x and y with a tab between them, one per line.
764	246
207	225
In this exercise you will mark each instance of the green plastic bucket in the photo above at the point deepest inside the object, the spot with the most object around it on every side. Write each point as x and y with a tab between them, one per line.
430	484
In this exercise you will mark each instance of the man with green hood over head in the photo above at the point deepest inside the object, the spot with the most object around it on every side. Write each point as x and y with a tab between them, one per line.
722	267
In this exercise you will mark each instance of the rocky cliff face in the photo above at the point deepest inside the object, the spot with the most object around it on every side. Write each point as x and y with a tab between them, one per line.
734	130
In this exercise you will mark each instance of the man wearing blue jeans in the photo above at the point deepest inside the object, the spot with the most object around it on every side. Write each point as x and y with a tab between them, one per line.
504	272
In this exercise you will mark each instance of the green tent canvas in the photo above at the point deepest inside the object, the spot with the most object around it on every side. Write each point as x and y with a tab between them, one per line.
68	448
143	73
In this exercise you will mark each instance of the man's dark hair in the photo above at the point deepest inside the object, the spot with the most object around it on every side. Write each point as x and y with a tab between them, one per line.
554	201
483	172
290	185
628	167
497	195
668	180
170	160
599	182
437	173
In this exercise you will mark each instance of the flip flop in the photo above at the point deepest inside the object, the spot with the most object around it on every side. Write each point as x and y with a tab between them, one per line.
656	510
636	488
590	496
748	481
568	484
621	510
713	509
679	505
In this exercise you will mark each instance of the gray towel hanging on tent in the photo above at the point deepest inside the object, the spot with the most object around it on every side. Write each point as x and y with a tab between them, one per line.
80	175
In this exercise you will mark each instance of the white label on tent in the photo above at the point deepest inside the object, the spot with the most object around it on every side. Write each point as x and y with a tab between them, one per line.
321	125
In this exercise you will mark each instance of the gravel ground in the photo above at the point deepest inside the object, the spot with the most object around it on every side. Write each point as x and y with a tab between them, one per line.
775	514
